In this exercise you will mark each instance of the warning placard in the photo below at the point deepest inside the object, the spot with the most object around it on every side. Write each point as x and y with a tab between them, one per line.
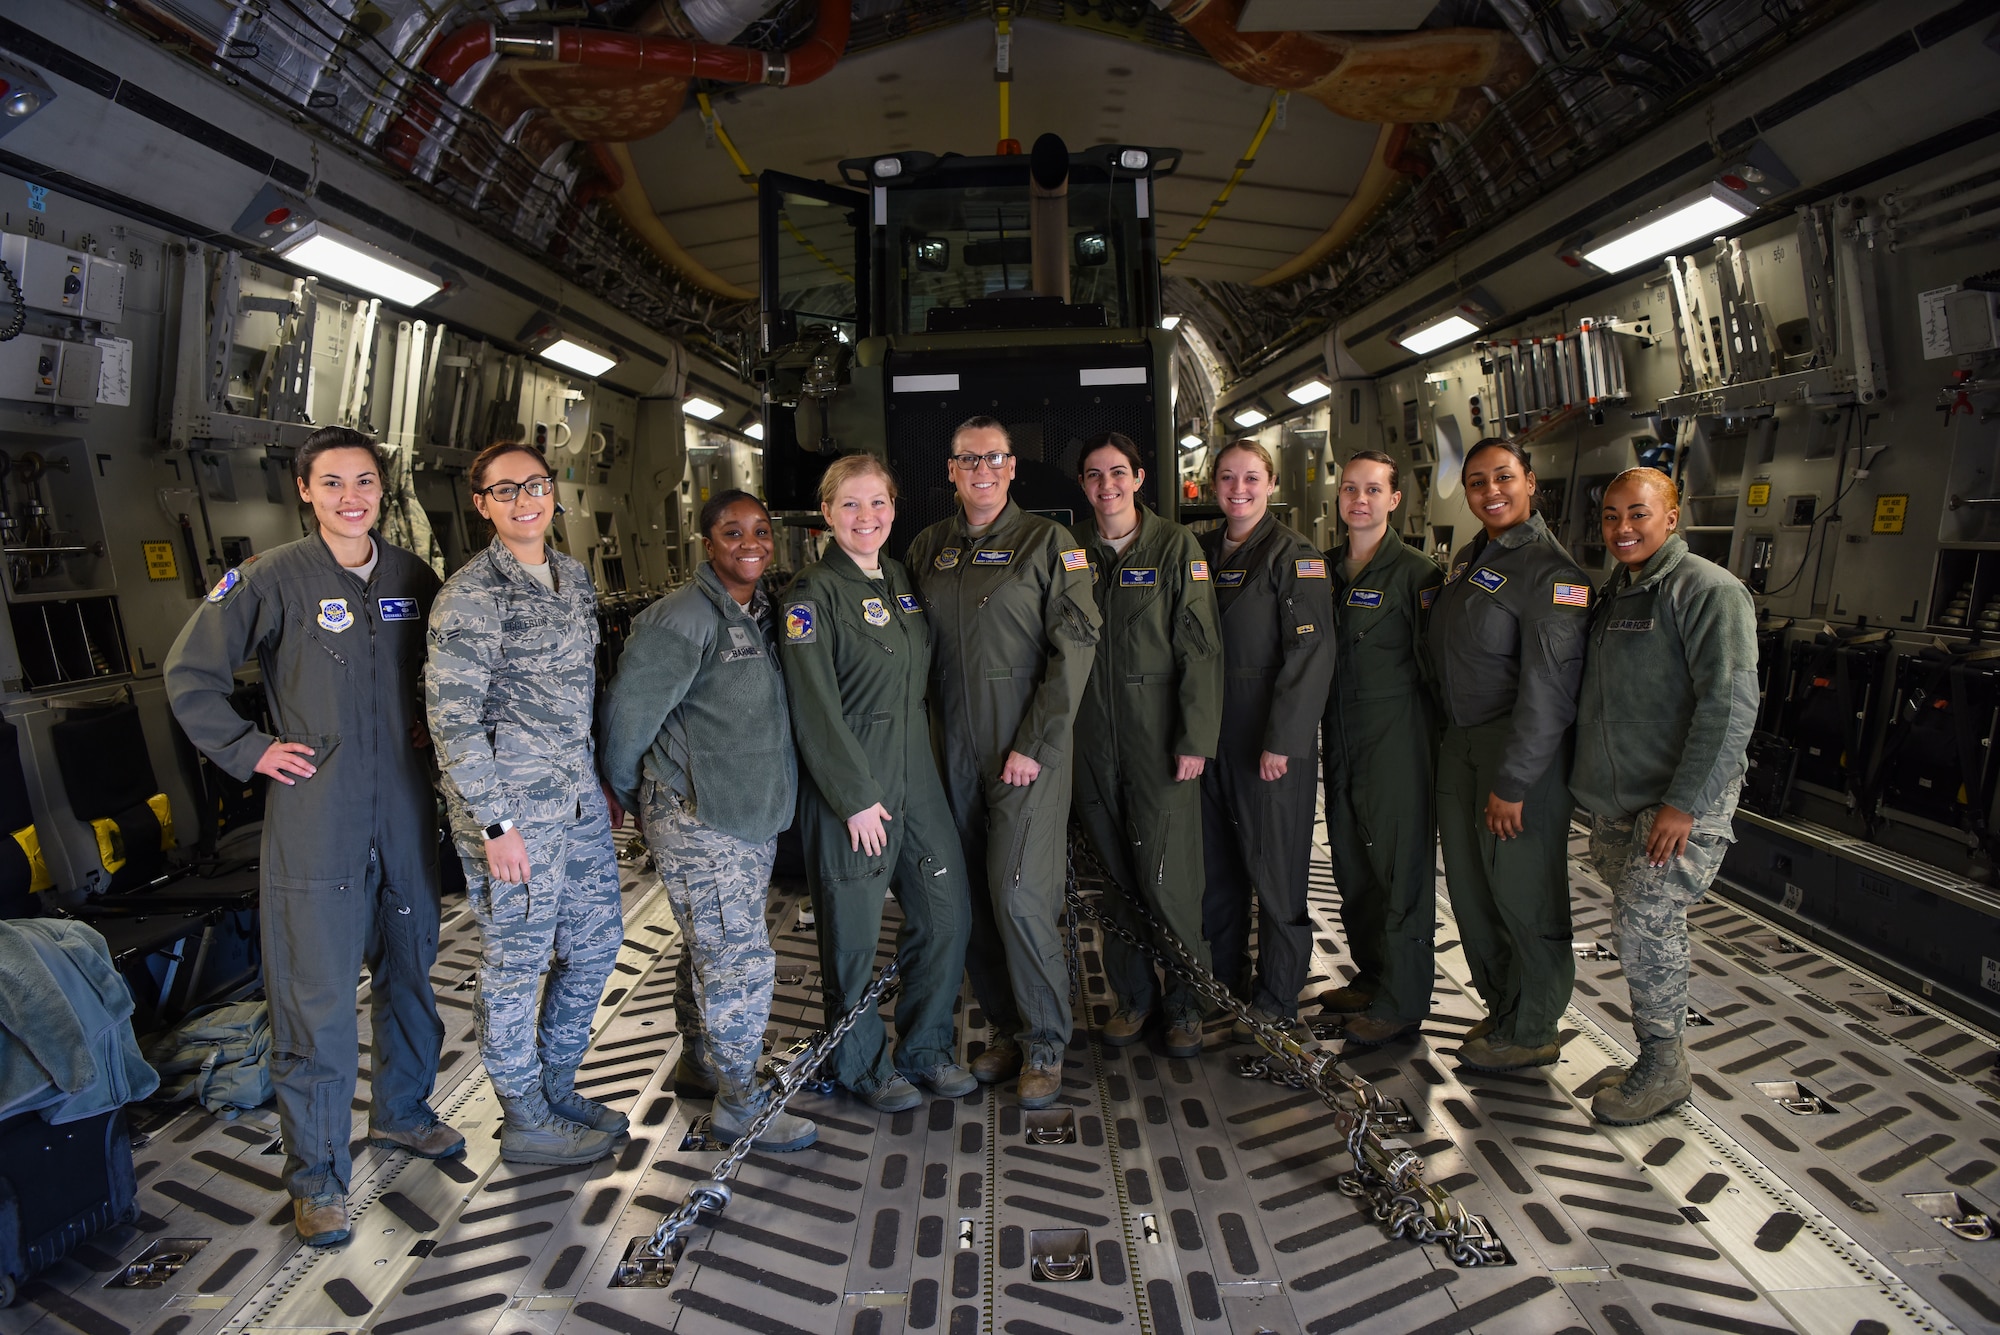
1890	512
160	563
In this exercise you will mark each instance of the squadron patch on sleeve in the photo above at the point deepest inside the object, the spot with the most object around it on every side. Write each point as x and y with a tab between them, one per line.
222	586
1310	569
801	623
1456	571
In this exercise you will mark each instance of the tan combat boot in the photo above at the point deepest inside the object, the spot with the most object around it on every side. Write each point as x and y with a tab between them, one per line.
321	1220
1123	1029
1657	1083
999	1062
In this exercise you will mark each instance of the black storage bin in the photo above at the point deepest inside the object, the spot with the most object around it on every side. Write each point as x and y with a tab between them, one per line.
59	1187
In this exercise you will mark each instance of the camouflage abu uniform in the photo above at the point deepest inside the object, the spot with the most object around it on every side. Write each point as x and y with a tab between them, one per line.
1664	717
509	686
698	737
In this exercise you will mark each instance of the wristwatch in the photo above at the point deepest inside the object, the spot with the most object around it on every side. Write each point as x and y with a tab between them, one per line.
498	828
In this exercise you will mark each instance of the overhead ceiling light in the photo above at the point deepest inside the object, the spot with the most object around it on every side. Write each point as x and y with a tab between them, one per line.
755	431
1170	321
566	351
1312	391
1695	217
354	263
696	406
1249	415
1439	333
1192	442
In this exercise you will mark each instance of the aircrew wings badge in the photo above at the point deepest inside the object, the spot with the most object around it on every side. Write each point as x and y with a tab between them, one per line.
1074	559
801	623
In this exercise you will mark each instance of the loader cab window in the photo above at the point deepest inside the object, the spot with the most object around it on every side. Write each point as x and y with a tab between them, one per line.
814	261
958	236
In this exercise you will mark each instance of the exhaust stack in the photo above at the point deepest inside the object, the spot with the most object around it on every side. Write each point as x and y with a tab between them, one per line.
1048	216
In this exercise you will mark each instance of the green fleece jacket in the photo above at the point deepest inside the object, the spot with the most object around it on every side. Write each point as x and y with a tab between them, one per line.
1669	687
698	704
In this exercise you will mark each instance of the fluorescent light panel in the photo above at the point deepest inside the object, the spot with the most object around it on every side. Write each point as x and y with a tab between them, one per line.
697	406
1312	391
585	361
1249	415
755	431
354	263
1696	217
1170	321
1453	328
1191	441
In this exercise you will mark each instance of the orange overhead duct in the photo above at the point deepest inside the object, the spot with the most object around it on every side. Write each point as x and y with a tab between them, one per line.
1396	78
1378	183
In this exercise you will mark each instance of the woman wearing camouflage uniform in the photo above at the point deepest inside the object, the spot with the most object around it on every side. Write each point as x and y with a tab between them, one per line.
1662	730
696	732
510	685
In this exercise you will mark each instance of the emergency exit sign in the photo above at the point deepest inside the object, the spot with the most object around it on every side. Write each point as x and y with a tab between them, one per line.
1890	511
160	563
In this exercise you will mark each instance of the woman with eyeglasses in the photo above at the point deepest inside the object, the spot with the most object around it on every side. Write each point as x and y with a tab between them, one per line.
1008	595
1276	613
511	685
1506	641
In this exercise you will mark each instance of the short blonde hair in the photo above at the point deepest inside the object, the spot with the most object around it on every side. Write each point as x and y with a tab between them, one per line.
1650	477
849	467
1249	447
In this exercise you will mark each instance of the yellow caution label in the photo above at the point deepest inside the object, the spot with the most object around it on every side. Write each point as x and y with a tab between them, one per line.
160	562
1890	511
1760	493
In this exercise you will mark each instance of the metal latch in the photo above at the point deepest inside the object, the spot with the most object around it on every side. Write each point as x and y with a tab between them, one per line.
1795	1098
1050	1126
1059	1255
1954	1212
160	1261
696	1138
640	1269
791	975
1593	950
1478	1245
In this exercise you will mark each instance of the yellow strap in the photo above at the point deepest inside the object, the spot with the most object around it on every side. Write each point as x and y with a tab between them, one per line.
163	812
110	843
1242	166
714	122
38	867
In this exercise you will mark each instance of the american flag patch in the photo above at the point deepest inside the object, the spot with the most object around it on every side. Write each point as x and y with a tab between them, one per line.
1197	570
1074	559
1572	595
1310	569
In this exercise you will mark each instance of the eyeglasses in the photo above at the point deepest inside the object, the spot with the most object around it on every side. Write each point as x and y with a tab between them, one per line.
506	492
994	461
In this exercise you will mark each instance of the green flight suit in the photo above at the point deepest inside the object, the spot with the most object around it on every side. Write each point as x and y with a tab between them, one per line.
1155	693
1275	610
1379	740
1015	629
857	657
1506	641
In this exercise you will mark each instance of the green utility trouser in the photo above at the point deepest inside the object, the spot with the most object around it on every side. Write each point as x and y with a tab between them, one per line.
1148	835
1383	839
921	862
1017	865
1511	896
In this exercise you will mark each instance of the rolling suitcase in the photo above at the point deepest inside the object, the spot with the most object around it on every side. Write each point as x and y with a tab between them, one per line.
59	1186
